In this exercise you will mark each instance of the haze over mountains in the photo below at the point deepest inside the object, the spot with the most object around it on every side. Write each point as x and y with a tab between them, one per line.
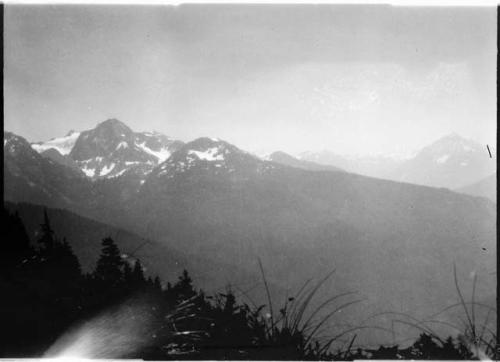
112	148
451	161
486	187
394	242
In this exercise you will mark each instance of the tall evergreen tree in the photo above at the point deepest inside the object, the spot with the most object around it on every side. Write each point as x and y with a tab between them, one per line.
110	264
138	274
69	262
157	283
127	273
183	289
47	239
59	267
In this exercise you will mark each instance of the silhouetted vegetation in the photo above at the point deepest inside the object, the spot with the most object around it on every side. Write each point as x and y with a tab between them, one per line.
44	293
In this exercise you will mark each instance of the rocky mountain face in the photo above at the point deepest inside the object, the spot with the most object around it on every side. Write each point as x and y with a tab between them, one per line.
110	150
395	243
30	177
65	160
55	180
209	156
450	162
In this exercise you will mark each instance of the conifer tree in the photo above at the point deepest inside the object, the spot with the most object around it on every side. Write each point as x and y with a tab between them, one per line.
47	239
110	264
138	274
183	289
157	283
59	267
70	266
127	273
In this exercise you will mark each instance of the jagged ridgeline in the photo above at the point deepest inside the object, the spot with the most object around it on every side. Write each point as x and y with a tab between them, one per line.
216	209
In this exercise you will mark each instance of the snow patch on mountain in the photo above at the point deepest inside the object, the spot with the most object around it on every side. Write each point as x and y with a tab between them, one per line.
442	159
122	144
107	169
62	144
90	172
118	173
211	154
162	155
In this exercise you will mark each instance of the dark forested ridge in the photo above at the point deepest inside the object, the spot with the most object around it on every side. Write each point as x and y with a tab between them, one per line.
49	308
85	234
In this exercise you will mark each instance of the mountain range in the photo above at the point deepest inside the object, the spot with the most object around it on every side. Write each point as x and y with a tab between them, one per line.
112	148
451	161
224	209
109	150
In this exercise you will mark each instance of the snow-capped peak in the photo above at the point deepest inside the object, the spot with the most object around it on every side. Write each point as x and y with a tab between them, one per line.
209	155
451	145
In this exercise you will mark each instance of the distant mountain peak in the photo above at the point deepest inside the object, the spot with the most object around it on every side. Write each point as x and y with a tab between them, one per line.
210	149
210	155
111	122
114	127
454	138
452	143
451	161
207	141
112	149
454	135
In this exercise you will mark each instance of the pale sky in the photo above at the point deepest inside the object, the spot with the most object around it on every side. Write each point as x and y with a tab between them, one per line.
352	79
